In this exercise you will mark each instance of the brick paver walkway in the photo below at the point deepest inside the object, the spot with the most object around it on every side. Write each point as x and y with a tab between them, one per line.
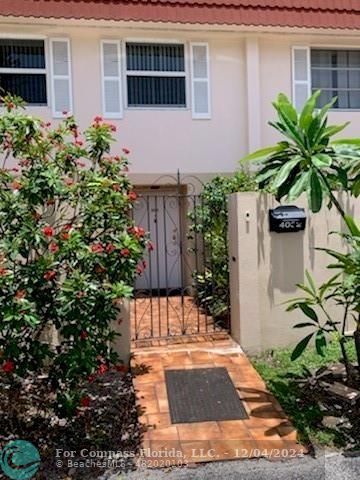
266	433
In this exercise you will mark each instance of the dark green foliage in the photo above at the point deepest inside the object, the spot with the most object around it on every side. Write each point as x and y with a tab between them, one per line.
210	221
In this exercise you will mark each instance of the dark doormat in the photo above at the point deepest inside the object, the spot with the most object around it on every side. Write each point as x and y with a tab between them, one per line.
202	395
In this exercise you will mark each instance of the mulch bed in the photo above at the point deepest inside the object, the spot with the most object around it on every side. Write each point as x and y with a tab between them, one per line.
110	424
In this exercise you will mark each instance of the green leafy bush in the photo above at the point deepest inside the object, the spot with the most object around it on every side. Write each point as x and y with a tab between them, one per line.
68	249
308	160
210	220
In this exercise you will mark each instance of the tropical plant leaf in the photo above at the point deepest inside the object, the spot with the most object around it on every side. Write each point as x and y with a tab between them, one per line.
323	112
311	282
286	106
304	325
315	192
285	171
301	346
321	160
343	177
347	141
320	342
309	312
262	153
267	173
334	129
306	115
356	187
352	225
299	186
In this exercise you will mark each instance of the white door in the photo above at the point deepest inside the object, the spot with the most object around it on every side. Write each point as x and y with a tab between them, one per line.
159	214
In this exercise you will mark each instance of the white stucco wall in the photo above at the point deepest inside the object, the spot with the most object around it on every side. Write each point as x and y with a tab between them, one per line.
162	140
275	76
265	268
247	71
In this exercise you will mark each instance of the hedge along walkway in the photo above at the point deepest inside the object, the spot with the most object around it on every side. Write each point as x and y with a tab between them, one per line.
266	433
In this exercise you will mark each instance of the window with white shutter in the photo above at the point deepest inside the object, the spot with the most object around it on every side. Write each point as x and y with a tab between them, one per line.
301	75
23	69
155	75
111	78
200	80
61	76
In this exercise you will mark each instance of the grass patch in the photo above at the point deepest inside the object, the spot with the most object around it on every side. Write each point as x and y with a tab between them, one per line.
279	373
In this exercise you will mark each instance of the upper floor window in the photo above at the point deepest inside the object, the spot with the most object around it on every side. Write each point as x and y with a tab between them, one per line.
23	69
337	74
155	75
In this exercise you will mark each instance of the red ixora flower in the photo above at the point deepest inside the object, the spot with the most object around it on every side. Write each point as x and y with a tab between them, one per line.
98	119
49	275
20	294
139	232
79	143
112	127
102	369
150	246
3	271
8	366
48	231
85	402
139	269
84	335
24	162
126	151
132	196
15	185
110	247
65	236
53	247
65	113
124	252
69	182
97	248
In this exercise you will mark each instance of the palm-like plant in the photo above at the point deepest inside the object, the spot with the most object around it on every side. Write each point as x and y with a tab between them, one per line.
308	160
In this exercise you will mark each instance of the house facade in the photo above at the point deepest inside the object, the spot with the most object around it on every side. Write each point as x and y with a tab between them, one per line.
188	84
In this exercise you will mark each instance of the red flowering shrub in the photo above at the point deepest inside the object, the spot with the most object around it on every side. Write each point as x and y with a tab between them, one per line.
68	249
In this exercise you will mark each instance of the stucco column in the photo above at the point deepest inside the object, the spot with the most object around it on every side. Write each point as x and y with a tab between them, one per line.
122	344
253	93
244	278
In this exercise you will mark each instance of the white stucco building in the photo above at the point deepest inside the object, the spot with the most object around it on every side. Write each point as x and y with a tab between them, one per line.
188	84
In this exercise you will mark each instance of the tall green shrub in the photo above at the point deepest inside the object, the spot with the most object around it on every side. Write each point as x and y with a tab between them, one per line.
210	220
68	249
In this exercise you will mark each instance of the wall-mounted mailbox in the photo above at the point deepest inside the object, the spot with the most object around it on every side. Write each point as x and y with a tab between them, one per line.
287	218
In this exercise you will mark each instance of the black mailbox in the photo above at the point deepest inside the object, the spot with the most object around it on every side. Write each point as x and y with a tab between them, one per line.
287	218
